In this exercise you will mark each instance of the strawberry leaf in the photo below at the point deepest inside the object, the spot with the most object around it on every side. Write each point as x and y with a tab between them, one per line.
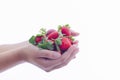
46	45
43	46
39	35
43	40
40	45
32	40
50	46
58	41
43	31
67	25
59	28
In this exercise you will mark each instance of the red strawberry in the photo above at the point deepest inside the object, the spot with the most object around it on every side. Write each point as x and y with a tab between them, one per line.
70	40
65	44
50	31
38	39
53	35
66	31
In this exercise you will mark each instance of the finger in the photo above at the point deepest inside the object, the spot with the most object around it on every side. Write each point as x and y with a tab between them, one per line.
75	42
74	57
62	65
53	62
73	33
68	60
68	52
64	57
49	54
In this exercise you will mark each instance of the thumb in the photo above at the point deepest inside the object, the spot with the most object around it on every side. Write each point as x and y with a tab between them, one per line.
49	54
73	33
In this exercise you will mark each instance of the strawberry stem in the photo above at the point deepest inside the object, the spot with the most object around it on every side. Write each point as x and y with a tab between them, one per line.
60	34
58	49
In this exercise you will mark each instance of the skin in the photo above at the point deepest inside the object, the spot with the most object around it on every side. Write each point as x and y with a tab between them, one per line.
14	54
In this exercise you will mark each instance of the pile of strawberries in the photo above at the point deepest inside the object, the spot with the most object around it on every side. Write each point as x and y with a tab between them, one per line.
55	40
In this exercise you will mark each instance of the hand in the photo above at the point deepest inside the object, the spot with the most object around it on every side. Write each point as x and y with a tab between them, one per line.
50	60
74	33
46	59
11	55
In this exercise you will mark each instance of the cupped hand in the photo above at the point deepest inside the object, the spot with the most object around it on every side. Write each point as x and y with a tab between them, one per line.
46	59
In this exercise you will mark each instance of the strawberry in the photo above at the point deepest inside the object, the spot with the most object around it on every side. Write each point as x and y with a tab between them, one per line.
65	44
53	35
50	31
38	39
65	30
54	40
70	40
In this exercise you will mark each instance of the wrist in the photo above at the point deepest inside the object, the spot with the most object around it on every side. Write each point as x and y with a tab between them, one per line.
19	55
23	50
9	59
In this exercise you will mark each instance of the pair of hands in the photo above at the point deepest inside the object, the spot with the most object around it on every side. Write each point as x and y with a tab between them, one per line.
46	59
11	55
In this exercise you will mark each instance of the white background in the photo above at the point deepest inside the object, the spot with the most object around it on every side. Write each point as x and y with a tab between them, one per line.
98	21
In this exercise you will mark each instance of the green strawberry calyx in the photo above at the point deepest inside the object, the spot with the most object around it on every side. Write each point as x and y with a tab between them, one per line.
32	40
46	45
